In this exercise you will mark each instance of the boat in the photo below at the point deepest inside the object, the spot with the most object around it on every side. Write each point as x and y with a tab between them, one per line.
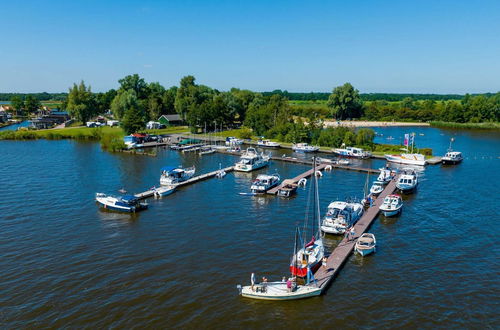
220	173
206	151
174	175
407	181
264	182
163	190
365	244
386	175
288	290
268	144
452	157
288	188
307	259
251	160
409	158
392	205
352	152
341	216
232	141
368	198
304	147
344	162
377	187
126	203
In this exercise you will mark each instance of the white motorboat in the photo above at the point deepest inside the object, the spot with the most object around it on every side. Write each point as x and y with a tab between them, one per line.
366	244
173	175
304	147
264	182
163	191
386	175
340	216
408	158
126	203
251	160
206	151
343	162
407	181
377	187
308	258
279	291
352	152
268	144
232	141
452	158
392	205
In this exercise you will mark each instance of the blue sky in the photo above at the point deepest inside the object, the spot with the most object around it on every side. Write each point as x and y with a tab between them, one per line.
378	46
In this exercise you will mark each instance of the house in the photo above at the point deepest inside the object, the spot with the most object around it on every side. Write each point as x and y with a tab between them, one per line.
154	125
48	121
170	120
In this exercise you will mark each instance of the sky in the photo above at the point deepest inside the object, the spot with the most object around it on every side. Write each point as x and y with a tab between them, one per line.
447	46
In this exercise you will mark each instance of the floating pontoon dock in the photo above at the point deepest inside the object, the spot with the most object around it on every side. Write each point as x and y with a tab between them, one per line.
200	177
345	248
274	191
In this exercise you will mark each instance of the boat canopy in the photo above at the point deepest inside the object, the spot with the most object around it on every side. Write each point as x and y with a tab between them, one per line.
168	168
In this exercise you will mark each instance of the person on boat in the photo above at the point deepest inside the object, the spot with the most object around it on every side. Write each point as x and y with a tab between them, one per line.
289	285
353	233
264	279
323	262
252	280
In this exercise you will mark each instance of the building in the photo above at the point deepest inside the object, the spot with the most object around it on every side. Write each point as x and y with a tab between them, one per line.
170	120
51	120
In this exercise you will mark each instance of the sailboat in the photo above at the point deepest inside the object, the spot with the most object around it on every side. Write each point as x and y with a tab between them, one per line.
308	259
408	158
281	290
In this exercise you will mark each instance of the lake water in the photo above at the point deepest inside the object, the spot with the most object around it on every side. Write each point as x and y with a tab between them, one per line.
66	263
14	127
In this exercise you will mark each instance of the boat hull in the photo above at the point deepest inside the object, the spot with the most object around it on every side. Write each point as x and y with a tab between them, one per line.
279	291
333	230
399	160
116	208
249	168
391	213
451	161
365	252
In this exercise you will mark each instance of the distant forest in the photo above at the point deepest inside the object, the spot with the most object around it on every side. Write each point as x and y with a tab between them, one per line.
390	97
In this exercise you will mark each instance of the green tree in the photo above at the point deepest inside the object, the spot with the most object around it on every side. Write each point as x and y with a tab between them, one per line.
134	119
103	101
81	102
123	100
365	136
345	102
31	104
185	95
168	100
135	83
17	103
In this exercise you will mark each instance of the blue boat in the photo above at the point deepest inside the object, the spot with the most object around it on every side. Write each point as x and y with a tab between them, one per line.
127	203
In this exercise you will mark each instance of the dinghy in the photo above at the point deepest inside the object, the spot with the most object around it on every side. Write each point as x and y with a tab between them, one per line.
365	244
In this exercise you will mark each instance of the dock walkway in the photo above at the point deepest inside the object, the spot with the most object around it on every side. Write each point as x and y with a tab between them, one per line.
342	252
150	192
274	191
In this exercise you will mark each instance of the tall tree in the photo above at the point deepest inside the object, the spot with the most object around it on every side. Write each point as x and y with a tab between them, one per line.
32	104
17	103
345	102
134	119
135	83
104	100
124	100
81	102
185	95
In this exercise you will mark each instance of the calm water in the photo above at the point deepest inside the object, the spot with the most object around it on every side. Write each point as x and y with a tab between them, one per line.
14	127
65	263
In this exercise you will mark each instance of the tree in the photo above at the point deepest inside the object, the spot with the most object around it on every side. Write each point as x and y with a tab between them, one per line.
123	100
345	102
17	103
135	83
185	95
168	100
104	100
81	102
155	106
31	104
134	119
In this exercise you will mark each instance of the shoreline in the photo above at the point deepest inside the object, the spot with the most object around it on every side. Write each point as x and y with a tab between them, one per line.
365	123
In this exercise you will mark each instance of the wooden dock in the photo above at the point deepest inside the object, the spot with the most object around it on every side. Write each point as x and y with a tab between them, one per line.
345	248
201	177
274	191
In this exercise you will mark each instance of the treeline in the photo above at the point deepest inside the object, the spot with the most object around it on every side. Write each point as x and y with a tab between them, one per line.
470	109
37	96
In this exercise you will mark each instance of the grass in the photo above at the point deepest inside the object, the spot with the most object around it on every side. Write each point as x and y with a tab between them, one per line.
488	125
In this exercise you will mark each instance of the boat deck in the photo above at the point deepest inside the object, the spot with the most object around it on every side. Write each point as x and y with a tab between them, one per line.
150	192
342	252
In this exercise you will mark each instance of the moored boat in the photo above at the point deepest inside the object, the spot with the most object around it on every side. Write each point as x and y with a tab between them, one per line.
366	244
287	189
268	144
392	205
232	141
126	203
407	181
352	152
452	157
340	216
163	191
173	175
409	158
304	147
376	188
251	160
264	182
288	290
386	175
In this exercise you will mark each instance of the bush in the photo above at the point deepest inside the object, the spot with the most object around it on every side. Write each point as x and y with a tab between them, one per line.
245	133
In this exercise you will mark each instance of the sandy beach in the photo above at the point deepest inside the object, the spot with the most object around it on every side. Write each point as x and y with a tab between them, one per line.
331	123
